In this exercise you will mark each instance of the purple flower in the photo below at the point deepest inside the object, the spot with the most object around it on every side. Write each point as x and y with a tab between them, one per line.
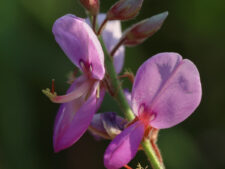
167	89
82	47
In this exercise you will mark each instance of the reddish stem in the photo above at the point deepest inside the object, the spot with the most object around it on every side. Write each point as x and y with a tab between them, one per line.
94	23
102	26
157	151
117	46
127	167
53	86
130	76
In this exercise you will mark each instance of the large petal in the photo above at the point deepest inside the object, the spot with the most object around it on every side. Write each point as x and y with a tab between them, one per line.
111	35
73	119
80	44
124	147
169	87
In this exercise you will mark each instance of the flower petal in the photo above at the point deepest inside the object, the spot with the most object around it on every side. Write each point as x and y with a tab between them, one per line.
111	35
169	87
73	119
80	44
124	147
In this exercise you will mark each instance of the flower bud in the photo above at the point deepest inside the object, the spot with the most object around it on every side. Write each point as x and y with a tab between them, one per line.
106	125
91	5
144	29
124	10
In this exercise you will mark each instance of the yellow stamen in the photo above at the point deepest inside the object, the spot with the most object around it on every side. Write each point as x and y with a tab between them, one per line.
49	94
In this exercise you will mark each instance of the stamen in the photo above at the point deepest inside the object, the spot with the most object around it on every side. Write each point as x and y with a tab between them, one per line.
80	90
53	86
48	93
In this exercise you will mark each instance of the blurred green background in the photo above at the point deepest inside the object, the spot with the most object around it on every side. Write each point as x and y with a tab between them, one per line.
30	58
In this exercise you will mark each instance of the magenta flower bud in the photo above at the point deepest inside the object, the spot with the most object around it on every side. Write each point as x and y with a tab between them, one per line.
124	10
91	5
144	29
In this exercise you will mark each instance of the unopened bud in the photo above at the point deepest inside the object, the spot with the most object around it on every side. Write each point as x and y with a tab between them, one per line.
124	10
107	125
91	5
144	29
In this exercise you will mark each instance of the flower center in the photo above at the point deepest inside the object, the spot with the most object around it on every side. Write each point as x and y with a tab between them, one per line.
86	68
145	116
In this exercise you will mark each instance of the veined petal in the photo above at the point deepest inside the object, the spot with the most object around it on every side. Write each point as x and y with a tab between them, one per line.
80	44
73	118
111	35
124	147
169	87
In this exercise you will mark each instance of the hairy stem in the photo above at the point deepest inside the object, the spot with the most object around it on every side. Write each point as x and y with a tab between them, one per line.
150	153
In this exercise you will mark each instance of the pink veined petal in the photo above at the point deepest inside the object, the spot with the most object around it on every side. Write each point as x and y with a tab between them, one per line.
80	43
73	119
124	147
111	35
169	87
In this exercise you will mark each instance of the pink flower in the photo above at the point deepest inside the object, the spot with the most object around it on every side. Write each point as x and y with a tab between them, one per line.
81	45
167	90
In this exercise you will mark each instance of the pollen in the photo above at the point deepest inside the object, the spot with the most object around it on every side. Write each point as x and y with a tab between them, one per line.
49	94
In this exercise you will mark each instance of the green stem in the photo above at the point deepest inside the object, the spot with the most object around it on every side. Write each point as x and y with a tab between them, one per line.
117	90
115	85
150	153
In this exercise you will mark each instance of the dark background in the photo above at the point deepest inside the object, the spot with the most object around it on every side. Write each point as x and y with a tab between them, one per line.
30	58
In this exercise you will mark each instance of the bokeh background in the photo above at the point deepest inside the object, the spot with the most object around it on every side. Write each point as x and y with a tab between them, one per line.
30	58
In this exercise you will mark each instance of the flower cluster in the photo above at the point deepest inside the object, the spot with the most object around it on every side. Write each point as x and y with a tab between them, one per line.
166	89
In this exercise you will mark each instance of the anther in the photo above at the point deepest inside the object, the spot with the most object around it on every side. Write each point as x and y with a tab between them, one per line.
49	94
